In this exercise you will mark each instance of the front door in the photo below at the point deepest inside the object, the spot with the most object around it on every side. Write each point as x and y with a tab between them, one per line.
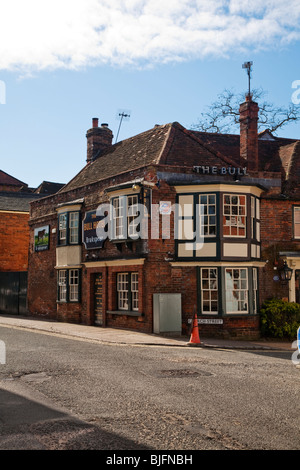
98	299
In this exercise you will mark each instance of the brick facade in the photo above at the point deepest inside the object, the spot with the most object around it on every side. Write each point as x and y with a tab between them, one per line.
247	227
14	239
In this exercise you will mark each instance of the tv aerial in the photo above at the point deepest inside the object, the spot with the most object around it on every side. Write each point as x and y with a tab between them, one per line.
248	66
123	115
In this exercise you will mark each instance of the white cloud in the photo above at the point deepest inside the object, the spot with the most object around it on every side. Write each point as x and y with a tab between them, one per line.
39	34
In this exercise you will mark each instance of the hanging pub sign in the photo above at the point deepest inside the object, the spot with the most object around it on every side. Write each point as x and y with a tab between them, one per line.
41	238
89	230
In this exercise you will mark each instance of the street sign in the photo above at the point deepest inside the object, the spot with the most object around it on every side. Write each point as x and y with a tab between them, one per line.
208	321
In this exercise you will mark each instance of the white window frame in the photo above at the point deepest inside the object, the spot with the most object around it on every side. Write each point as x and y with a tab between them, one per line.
62	285
255	288
208	214
209	291
73	285
68	228
124	214
236	290
74	228
62	227
127	291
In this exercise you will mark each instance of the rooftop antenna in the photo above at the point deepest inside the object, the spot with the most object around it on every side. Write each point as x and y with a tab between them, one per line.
248	65
122	115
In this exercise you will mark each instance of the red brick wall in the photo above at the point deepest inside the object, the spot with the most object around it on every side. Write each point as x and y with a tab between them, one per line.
14	238
42	282
276	236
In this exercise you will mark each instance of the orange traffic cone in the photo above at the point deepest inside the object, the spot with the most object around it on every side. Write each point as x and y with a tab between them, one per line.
195	338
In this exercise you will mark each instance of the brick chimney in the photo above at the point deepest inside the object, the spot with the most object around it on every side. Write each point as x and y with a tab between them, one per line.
249	134
98	140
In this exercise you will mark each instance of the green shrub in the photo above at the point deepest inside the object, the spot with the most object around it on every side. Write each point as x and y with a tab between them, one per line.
280	319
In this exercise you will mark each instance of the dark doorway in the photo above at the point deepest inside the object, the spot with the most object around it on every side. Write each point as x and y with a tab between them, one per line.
13	293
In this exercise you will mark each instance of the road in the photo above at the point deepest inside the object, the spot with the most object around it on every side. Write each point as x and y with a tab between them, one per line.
67	394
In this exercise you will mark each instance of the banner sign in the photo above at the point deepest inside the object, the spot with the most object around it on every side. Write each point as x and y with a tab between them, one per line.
89	230
41	238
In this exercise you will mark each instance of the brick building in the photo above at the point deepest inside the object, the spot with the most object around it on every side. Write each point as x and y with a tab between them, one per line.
15	197
168	223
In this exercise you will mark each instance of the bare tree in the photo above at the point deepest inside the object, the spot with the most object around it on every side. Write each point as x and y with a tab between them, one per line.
222	116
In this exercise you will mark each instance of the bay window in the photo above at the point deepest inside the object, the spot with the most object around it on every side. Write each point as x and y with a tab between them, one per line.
69	228
228	290
124	217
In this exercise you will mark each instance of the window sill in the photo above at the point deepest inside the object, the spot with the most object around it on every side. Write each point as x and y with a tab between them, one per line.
130	313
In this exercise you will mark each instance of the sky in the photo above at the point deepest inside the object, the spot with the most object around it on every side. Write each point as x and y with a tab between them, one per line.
65	62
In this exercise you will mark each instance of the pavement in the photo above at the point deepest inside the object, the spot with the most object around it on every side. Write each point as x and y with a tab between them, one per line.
118	336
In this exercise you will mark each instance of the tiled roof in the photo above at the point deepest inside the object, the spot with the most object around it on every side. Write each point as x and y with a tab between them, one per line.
16	201
173	145
47	187
6	179
170	144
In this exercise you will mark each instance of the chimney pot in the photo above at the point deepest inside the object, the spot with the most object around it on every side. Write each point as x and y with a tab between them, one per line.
99	139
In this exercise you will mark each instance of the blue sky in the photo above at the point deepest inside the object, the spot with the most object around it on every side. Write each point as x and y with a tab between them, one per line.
66	62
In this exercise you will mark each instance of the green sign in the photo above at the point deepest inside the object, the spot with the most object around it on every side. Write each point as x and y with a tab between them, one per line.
41	238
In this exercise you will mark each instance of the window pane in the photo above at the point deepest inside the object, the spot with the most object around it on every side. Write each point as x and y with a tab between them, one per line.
207	211
62	285
73	284
74	227
234	215
209	290
134	291
62	227
236	290
122	288
132	214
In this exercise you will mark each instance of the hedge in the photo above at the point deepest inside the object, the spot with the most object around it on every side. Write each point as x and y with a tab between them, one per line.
280	319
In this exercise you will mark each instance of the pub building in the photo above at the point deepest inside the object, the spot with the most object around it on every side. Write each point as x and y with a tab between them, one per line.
169	223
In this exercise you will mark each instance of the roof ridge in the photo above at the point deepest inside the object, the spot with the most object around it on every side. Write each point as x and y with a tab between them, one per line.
161	159
209	147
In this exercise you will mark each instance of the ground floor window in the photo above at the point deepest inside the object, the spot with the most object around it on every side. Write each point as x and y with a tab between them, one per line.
68	288
236	290
209	286
228	290
127	291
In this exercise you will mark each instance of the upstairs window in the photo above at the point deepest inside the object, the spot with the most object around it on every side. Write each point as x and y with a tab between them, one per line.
234	215
208	216
68	228
124	217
